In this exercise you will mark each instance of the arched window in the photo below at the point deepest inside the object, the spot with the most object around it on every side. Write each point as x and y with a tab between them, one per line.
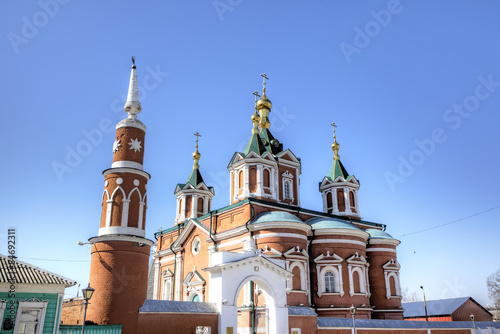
329	282
356	281
189	203
286	189
351	199
267	178
341	200
167	289
252	179
195	297
180	206
329	202
241	180
201	203
296	278
392	284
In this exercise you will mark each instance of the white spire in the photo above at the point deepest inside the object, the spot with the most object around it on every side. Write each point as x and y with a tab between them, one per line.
133	106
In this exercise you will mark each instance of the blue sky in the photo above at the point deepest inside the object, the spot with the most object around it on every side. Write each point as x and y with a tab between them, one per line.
414	87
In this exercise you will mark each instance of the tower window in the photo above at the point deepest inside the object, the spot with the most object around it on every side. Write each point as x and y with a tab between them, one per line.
267	178
286	189
329	282
351	199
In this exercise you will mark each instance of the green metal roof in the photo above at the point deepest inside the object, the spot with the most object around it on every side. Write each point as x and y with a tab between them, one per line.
269	140
254	145
378	234
337	170
319	223
276	216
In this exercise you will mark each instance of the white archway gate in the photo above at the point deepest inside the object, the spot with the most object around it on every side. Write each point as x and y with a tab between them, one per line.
230	271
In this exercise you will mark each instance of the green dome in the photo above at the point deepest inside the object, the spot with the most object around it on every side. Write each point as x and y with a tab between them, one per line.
276	216
378	234
324	223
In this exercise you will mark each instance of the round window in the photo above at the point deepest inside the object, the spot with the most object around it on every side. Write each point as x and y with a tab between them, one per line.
195	248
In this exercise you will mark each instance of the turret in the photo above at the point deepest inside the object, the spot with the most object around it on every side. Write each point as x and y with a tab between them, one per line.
194	198
339	189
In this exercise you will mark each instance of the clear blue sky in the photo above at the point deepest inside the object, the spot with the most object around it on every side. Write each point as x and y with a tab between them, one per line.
414	87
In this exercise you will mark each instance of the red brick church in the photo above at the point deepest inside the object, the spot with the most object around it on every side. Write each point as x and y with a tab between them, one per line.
261	264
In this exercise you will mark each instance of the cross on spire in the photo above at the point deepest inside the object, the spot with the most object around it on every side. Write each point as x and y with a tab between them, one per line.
256	95
334	126
197	134
264	77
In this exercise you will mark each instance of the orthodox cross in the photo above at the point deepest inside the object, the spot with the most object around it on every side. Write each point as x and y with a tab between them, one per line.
334	126
256	95
263	75
197	134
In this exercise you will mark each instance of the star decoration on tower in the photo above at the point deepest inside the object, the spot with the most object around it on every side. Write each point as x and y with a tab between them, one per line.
116	145
135	145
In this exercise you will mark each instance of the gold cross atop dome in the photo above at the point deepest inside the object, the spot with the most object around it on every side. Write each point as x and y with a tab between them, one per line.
264	77
335	145
196	154
197	134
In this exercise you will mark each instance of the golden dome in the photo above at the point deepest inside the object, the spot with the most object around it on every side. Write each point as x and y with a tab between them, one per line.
196	155
255	117
264	102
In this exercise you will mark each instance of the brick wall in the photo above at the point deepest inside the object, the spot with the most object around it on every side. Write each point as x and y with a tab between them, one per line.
72	311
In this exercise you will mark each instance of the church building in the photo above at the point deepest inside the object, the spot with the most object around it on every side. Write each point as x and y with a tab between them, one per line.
261	264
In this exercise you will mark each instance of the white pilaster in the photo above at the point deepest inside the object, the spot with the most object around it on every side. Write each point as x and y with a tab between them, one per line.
126	203
260	177
140	222
156	282
246	184
109	208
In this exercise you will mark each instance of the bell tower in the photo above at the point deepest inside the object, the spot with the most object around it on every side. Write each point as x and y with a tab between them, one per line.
120	252
339	189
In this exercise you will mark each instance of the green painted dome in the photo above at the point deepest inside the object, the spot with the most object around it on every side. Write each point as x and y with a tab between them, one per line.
276	216
319	223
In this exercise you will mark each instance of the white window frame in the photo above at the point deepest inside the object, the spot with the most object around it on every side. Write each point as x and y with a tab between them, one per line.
167	289
337	276
359	264
329	262
196	241
391	269
303	280
287	178
3	306
32	304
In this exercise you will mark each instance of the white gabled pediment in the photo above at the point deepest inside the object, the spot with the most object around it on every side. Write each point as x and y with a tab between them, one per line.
296	251
190	226
251	263
252	154
339	179
288	155
354	180
193	278
356	258
391	265
167	273
328	258
272	251
326	181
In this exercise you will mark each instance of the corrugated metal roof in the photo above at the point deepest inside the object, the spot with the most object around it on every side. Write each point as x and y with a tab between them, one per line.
434	307
25	273
375	323
151	305
300	310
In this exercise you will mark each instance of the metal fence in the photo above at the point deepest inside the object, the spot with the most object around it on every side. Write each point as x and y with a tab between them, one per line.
89	329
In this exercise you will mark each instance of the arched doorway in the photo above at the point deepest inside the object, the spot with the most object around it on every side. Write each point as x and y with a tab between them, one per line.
229	274
253	312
